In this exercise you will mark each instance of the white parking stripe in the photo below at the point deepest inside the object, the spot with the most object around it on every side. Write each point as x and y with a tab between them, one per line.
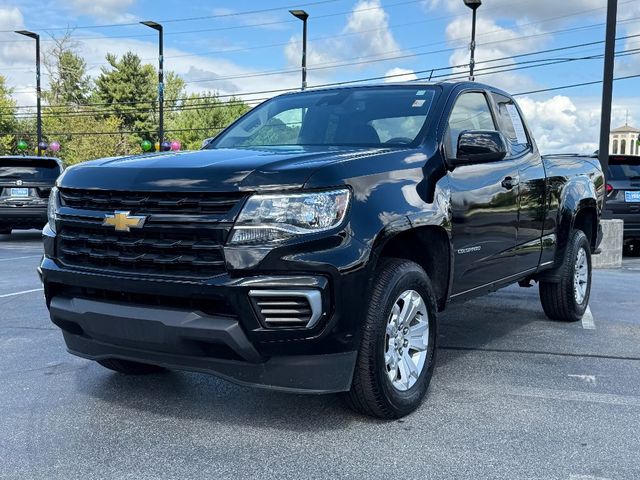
587	320
21	293
19	258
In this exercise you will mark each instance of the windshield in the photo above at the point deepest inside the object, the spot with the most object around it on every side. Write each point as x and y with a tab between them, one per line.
624	168
33	169
372	117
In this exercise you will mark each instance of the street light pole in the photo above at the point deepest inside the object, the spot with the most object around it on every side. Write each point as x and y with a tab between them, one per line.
607	87
304	16
36	37
473	5
156	26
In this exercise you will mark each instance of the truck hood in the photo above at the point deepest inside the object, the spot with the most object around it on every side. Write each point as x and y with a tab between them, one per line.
210	170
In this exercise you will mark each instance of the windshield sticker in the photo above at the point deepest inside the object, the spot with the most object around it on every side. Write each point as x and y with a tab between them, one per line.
521	135
420	93
418	103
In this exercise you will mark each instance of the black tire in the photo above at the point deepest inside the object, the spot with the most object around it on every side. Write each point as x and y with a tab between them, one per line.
559	299
372	392
130	368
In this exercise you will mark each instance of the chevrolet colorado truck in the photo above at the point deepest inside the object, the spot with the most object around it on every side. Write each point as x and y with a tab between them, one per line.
310	246
25	184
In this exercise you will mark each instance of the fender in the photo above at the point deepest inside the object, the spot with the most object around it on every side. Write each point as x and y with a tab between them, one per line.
576	194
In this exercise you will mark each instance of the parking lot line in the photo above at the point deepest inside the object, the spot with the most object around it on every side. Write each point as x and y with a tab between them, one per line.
21	293
587	320
19	258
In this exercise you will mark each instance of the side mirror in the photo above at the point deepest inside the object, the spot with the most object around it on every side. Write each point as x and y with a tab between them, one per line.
480	146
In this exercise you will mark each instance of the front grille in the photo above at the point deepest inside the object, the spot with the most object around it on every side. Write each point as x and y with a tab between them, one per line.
284	309
180	237
198	203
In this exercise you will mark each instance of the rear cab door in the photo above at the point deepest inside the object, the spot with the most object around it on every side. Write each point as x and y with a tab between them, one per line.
532	182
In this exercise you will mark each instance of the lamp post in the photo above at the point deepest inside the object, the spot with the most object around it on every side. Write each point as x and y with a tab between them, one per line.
36	37
473	5
156	26
302	15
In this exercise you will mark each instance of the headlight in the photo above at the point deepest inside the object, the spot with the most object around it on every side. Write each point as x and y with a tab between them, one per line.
273	218
52	209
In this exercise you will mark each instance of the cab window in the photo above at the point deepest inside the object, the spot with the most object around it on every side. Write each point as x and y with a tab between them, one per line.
471	112
512	124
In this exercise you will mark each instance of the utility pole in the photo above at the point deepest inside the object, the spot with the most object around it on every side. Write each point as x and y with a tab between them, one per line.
607	87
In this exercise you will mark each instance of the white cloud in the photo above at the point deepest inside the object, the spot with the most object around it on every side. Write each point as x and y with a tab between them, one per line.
366	34
564	125
108	10
398	74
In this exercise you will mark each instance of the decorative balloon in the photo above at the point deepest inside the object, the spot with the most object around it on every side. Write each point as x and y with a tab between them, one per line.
43	146
157	146
22	145
54	146
175	145
146	145
165	146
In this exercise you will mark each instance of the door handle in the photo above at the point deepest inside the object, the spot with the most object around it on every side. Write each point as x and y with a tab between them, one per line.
510	183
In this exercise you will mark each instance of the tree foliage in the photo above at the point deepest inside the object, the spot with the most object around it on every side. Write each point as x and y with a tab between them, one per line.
111	114
8	121
203	116
69	83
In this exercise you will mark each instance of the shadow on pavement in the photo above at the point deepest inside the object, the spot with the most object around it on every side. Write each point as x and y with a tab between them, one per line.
193	396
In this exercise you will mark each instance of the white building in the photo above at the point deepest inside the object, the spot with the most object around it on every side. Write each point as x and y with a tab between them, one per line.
624	141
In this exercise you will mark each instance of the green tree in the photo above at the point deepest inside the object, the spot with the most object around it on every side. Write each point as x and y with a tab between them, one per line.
128	88
84	136
69	83
8	121
202	116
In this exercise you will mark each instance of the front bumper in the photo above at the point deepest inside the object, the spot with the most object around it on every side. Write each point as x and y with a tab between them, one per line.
149	335
212	325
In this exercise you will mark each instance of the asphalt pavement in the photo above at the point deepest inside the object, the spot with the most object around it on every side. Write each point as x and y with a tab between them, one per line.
514	396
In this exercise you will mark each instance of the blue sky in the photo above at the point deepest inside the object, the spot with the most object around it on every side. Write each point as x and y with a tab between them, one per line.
233	52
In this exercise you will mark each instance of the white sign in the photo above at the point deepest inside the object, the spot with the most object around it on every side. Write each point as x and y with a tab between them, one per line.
521	134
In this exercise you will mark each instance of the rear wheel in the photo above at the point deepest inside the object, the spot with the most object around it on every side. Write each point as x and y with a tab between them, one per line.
567	299
397	353
129	368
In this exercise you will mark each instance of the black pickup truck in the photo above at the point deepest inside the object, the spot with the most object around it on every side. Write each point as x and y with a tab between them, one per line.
310	246
25	184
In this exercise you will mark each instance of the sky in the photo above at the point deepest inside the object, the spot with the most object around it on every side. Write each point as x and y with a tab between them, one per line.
221	46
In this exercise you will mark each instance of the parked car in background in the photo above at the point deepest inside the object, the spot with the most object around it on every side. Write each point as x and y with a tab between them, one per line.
310	246
25	185
623	197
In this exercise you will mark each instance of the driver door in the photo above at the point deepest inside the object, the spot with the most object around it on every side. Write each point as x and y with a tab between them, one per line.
484	203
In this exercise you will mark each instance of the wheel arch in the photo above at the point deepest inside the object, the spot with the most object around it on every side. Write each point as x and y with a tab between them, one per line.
429	246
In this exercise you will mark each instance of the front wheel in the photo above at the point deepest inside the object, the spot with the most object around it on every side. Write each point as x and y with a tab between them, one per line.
397	354
567	299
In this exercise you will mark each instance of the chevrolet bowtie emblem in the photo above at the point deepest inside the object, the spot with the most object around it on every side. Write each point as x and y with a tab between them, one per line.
123	221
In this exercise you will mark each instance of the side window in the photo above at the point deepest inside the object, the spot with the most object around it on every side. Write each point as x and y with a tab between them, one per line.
471	112
512	124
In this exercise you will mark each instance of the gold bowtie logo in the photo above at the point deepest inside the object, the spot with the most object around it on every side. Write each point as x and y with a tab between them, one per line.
123	221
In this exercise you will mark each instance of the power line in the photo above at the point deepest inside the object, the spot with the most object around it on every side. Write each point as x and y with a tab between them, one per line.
491	70
189	19
232	102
